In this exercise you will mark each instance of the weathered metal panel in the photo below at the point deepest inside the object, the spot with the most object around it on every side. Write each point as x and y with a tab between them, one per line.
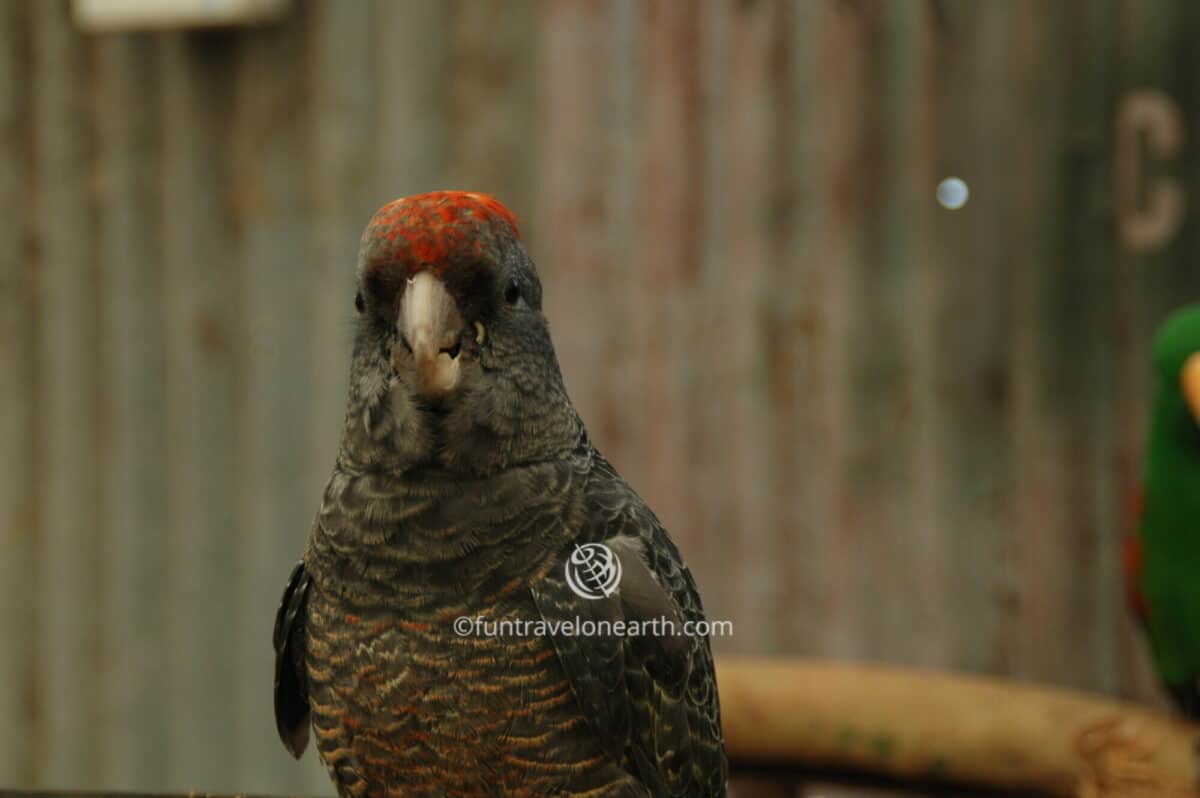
878	428
205	346
134	516
68	418
273	264
19	506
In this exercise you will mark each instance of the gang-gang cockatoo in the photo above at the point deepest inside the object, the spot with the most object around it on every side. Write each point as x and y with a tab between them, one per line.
463	484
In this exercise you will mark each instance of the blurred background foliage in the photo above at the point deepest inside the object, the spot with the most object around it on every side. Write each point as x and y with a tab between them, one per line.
879	429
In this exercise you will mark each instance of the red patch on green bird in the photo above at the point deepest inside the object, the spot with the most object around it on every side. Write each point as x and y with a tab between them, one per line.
1133	579
457	235
1137	506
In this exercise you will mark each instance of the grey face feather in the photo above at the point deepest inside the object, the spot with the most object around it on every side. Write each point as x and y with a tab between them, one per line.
434	388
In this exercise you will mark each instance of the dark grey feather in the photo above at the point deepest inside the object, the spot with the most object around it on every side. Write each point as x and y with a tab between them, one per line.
292	714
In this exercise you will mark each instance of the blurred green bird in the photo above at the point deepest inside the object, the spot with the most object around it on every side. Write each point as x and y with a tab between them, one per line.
1162	558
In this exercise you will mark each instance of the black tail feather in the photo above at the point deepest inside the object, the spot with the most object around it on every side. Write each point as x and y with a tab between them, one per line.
291	683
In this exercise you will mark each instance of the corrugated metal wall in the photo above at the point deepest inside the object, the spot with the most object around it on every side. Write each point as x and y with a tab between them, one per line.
878	428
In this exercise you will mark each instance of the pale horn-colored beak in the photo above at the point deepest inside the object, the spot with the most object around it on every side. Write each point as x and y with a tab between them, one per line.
1190	380
431	324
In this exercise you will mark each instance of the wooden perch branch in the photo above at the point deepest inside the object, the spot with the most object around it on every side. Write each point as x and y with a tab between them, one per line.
939	727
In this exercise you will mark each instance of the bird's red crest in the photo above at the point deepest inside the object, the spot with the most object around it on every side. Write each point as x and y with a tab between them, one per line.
435	229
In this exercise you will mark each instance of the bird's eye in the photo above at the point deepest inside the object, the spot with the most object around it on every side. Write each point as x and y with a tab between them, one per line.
358	303
512	294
